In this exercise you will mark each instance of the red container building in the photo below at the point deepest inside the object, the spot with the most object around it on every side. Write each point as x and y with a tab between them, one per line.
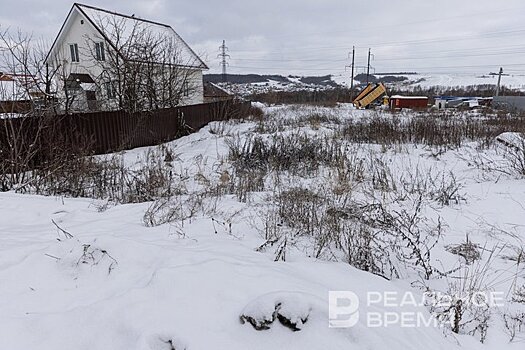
398	102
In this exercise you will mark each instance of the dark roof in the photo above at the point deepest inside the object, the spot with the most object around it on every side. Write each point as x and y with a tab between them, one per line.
120	14
74	80
80	78
212	90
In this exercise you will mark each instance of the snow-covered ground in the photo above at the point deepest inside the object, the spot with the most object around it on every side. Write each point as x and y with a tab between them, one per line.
76	273
292	84
151	284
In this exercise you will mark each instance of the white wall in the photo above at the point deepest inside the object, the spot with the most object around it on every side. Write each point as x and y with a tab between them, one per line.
82	35
80	31
196	89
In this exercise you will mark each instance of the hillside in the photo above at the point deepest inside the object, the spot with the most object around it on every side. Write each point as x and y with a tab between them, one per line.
249	84
258	79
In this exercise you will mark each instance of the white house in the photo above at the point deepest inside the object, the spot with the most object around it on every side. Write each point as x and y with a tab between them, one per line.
97	52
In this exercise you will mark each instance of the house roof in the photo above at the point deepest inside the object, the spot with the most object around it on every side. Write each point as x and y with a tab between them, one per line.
77	81
409	97
107	22
80	78
213	90
5	77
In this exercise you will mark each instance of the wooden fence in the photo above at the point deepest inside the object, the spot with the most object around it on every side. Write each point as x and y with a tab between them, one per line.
36	138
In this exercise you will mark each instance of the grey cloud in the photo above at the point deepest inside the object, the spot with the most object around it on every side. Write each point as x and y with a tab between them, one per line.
315	37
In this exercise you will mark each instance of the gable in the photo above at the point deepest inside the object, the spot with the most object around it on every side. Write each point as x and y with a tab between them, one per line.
120	31
74	27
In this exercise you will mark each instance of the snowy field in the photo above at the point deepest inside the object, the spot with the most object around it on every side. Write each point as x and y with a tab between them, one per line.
261	221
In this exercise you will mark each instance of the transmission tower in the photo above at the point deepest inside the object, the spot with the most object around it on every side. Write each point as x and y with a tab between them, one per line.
223	56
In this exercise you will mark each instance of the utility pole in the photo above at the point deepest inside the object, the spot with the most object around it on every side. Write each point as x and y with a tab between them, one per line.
223	55
353	67
499	80
352	79
368	68
48	82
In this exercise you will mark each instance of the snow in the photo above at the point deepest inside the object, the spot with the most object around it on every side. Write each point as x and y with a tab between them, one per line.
11	115
513	81
164	287
409	97
110	282
511	139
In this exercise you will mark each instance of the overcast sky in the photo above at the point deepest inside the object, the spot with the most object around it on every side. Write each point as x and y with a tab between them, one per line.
315	37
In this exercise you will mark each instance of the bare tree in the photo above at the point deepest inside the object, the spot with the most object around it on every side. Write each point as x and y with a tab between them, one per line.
142	66
28	116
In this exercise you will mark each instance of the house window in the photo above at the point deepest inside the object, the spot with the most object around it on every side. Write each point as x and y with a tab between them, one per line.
185	89
73	48
110	90
99	50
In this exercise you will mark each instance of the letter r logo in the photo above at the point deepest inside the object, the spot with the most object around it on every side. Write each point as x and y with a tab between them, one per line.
343	309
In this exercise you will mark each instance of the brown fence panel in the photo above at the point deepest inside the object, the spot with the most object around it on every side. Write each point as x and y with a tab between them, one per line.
105	132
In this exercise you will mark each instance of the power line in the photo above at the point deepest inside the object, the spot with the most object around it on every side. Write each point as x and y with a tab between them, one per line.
286	68
416	69
288	60
461	66
403	24
494	35
451	56
488	35
491	53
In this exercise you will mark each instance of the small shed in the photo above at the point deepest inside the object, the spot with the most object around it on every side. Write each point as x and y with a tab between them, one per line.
440	103
213	92
398	102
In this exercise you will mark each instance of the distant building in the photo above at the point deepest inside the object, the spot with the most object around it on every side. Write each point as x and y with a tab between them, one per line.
471	102
213	92
398	102
17	93
440	103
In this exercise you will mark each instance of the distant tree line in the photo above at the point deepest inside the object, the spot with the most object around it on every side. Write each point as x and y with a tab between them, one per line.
383	79
325	97
486	90
343	95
